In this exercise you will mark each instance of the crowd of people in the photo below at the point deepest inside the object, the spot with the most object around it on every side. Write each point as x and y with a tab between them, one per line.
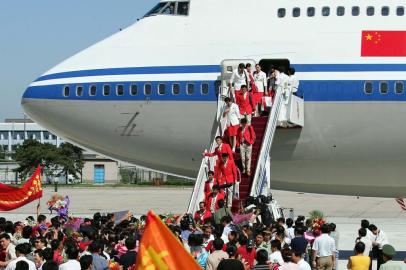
220	243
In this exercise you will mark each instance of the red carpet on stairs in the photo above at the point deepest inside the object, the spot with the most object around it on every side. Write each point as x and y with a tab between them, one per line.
259	125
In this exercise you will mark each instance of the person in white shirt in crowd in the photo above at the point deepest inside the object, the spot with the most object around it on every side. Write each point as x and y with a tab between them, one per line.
362	237
365	225
21	251
293	81
276	255
297	258
380	240
238	79
226	221
336	236
261	83
232	112
289	231
324	250
72	264
9	248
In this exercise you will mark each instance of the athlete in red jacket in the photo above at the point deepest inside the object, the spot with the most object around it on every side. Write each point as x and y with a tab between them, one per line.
246	139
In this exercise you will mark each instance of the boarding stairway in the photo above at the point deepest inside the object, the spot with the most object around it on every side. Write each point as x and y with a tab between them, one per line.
259	182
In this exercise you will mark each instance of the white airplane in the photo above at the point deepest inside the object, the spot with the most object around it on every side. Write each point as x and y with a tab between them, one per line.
148	94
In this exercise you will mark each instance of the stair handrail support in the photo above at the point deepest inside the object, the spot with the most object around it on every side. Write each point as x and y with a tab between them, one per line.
260	176
198	191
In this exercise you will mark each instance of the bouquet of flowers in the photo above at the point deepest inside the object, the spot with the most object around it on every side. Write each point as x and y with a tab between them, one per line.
114	265
59	204
317	218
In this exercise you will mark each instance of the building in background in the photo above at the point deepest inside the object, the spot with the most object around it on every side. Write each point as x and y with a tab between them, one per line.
97	168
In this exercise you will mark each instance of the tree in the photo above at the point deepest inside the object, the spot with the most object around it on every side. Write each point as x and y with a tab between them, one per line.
33	153
70	160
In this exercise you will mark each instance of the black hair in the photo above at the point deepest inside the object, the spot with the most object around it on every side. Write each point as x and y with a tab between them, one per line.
241	65
227	99
231	250
297	253
55	244
332	227
219	138
72	252
364	224
262	256
276	244
289	222
211	172
24	248
218	244
300	230
244	86
292	71
130	243
281	69
362	232
372	227
41	218
50	265
359	247
225	155
85	262
47	254
248	65
27	232
95	247
325	228
226	219
22	265
243	121
286	255
5	236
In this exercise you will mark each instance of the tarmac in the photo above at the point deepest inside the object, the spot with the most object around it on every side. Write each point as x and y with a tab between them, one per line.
345	211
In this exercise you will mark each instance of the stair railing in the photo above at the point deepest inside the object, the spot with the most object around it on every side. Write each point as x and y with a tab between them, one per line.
198	191
260	178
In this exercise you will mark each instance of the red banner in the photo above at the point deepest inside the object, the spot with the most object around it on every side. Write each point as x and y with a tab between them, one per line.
13	198
383	43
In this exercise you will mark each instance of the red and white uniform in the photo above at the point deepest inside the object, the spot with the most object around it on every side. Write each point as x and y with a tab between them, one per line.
228	172
246	135
211	204
223	148
245	102
201	217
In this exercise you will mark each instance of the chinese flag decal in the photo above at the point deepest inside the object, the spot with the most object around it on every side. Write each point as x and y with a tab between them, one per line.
383	43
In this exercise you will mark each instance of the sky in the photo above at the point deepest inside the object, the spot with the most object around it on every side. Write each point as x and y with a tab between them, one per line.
35	35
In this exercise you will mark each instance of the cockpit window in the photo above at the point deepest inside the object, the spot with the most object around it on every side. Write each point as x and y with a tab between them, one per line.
170	8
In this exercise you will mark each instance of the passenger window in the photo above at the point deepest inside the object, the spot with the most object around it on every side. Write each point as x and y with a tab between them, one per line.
355	11
340	11
120	90
399	87
176	89
79	91
155	10
92	90
385	11
296	12
400	11
133	90
190	89
311	11
281	12
66	91
370	11
183	8
147	89
205	89
161	89
368	88
106	90
384	87
325	11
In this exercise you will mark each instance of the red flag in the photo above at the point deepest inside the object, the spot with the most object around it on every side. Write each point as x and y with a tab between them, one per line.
159	249
13	198
383	43
401	203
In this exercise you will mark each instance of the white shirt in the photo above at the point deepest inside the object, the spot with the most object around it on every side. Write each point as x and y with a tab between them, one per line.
276	257
370	235
281	78
239	79
368	245
233	116
303	265
227	229
12	264
290	233
324	245
293	83
70	265
381	239
260	81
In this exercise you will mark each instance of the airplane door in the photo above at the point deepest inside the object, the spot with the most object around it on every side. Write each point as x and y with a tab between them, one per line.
227	68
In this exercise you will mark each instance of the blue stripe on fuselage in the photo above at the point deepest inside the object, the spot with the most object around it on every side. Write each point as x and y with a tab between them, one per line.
322	91
217	69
